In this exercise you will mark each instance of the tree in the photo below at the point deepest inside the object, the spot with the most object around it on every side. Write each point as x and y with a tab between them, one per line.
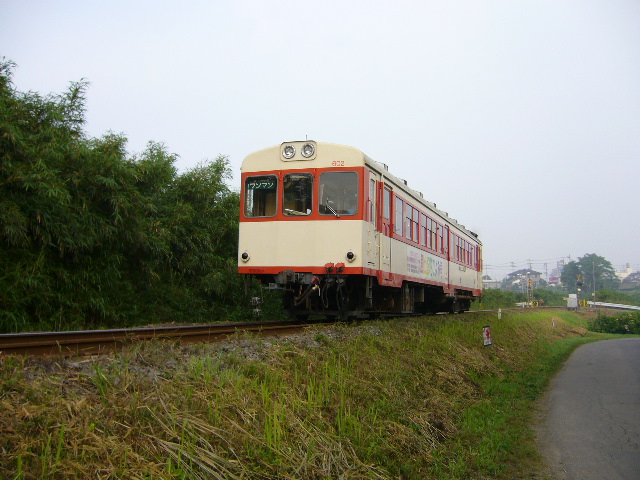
90	236
595	271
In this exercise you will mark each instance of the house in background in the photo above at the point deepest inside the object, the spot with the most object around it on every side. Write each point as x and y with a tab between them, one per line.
487	282
631	282
520	279
623	274
555	277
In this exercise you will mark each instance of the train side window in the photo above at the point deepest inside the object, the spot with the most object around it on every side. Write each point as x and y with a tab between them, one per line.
409	216
387	204
260	196
399	220
432	242
298	194
338	193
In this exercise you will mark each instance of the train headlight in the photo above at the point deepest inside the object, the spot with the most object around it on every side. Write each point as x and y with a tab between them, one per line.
351	256
288	151
245	257
308	150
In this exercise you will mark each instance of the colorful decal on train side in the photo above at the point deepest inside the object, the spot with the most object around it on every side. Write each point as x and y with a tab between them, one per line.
423	265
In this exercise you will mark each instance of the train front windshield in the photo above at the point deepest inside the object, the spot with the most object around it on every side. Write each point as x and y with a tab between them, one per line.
298	194
260	196
337	192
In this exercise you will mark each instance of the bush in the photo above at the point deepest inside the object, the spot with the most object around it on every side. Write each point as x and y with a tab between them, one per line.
621	323
615	296
495	298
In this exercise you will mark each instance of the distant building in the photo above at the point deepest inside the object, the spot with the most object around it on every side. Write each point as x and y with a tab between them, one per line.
555	277
622	274
487	282
520	279
631	282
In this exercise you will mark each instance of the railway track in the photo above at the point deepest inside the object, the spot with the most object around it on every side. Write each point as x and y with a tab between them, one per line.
91	342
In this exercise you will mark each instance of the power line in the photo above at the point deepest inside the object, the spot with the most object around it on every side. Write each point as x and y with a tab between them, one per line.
531	264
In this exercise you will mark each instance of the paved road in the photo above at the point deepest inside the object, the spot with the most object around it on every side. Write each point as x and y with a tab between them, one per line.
591	428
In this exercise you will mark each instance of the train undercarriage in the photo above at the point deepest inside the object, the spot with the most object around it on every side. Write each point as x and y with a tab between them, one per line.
347	297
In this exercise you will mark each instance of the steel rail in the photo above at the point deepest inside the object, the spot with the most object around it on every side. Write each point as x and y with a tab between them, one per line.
90	342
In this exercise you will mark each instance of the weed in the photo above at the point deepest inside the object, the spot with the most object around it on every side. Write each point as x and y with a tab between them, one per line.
415	399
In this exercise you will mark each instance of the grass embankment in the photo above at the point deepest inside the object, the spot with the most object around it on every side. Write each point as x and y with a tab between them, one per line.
388	399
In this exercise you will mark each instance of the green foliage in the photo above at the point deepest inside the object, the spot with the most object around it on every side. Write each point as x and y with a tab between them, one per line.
549	297
90	237
619	323
496	298
616	296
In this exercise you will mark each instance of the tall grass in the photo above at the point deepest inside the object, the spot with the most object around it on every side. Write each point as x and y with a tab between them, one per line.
419	398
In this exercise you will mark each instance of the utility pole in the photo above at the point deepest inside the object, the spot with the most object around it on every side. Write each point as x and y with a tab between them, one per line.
593	265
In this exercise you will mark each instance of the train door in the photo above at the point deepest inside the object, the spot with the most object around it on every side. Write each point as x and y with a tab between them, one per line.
444	240
373	234
385	208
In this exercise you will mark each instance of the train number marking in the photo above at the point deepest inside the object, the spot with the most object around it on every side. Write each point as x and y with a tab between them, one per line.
337	163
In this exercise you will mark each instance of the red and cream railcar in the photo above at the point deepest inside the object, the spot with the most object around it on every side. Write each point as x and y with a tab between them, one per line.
341	236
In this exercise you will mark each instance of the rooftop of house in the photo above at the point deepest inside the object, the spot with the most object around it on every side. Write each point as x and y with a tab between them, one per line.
524	272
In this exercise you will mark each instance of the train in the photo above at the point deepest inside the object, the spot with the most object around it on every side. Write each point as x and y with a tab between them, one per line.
342	237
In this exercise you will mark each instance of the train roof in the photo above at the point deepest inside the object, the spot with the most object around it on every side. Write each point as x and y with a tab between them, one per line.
324	156
403	185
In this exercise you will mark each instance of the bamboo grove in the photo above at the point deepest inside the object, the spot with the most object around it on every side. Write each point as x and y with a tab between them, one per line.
94	237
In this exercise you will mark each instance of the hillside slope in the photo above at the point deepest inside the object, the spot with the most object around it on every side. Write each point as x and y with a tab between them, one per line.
411	398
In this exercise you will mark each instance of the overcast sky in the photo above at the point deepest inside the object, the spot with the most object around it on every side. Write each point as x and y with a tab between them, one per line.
519	118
